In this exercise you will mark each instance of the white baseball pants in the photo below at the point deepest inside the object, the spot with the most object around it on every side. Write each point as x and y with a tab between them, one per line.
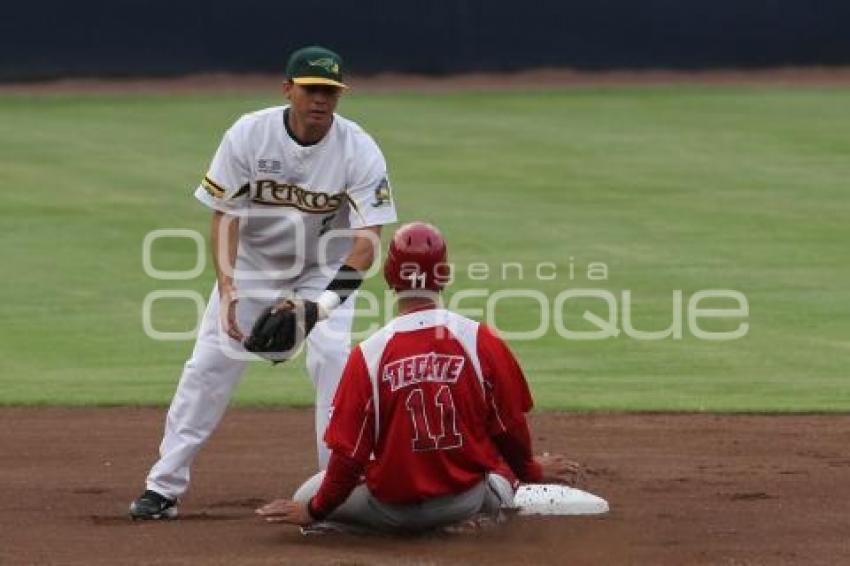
216	367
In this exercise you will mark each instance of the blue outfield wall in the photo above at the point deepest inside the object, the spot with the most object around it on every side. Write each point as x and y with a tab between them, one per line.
157	37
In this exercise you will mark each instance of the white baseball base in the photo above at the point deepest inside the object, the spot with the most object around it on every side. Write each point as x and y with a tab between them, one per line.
552	499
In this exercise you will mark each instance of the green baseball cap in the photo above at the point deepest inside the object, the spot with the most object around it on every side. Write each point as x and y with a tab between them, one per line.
315	65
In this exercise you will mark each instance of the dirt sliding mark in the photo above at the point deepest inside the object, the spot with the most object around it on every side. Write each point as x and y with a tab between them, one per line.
683	489
523	80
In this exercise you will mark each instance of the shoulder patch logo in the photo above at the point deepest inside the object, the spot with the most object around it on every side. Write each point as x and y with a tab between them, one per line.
325	63
382	193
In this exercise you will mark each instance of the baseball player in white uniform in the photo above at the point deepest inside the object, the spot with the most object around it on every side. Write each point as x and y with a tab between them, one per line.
298	195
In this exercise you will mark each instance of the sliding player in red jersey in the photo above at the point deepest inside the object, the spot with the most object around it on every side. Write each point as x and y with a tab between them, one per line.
430	409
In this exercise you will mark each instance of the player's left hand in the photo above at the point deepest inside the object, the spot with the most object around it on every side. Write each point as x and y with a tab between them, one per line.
280	330
285	511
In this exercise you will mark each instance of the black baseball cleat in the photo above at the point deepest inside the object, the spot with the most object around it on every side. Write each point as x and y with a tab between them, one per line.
151	505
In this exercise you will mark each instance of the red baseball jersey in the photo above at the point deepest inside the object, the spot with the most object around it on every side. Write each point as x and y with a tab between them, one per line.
419	401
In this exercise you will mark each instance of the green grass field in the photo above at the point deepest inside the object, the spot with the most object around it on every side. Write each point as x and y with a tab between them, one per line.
690	189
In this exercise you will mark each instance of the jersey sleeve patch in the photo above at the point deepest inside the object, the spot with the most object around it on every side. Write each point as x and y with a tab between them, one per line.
372	202
383	194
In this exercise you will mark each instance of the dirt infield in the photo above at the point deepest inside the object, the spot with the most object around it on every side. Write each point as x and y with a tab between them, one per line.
524	80
684	489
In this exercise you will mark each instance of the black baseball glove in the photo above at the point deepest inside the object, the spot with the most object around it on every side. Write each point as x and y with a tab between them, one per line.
280	330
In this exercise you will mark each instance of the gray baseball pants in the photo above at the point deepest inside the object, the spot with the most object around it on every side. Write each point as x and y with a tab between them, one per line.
362	509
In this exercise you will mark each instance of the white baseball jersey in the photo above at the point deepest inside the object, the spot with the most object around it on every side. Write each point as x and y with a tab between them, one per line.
288	196
290	199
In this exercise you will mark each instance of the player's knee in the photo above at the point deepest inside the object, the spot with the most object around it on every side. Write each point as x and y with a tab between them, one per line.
309	488
500	492
211	369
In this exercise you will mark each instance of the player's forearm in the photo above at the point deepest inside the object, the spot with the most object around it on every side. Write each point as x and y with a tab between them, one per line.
225	242
515	446
364	248
350	276
341	478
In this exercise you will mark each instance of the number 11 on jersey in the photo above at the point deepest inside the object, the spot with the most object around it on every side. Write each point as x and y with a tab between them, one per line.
424	439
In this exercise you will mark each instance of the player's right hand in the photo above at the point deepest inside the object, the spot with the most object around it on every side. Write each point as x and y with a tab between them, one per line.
558	469
227	313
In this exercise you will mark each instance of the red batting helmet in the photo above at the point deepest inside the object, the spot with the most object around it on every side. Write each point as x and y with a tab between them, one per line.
417	259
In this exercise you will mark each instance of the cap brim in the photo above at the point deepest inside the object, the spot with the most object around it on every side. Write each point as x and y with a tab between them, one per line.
318	81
